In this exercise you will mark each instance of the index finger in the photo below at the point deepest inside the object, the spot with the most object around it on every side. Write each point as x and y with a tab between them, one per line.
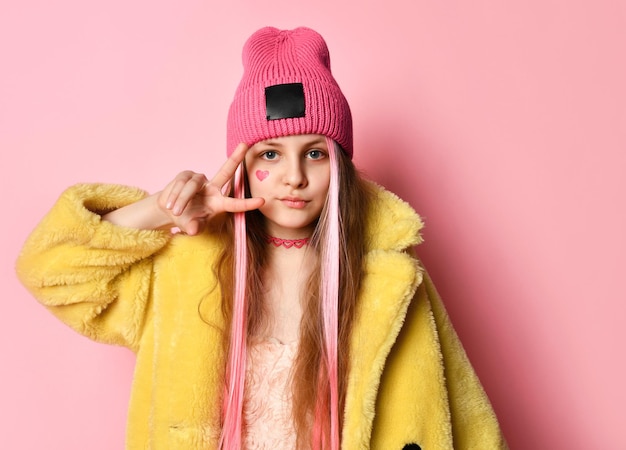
227	170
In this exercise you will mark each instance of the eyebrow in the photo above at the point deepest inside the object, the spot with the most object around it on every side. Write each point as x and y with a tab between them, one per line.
315	141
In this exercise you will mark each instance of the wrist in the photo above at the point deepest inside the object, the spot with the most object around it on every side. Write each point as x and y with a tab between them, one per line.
146	214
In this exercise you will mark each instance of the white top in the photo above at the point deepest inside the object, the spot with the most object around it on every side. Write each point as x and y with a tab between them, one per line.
268	401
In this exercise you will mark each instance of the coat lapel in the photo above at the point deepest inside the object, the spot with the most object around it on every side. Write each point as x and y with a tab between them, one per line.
392	277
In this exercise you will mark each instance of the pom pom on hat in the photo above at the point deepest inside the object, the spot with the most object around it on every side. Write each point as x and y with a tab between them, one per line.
287	88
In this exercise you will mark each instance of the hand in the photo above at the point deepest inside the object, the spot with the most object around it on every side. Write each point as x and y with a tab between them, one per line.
192	201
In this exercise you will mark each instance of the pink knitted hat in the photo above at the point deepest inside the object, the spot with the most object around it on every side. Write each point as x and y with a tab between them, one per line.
287	88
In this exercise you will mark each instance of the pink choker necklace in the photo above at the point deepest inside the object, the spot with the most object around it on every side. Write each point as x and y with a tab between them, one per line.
287	243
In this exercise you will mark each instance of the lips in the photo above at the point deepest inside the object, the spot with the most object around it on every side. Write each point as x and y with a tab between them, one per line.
294	202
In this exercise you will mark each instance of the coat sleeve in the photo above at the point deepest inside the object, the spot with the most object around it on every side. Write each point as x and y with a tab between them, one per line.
473	421
94	276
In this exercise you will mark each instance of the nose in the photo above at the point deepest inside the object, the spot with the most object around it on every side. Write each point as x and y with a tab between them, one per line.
295	175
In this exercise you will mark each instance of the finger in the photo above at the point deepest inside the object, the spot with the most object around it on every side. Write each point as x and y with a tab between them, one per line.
194	226
173	188
183	193
227	171
242	204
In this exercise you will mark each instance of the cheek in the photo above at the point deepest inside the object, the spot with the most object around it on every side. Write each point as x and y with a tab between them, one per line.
325	182
261	174
254	183
259	183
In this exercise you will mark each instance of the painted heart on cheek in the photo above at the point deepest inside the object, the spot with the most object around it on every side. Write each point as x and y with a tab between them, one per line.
262	174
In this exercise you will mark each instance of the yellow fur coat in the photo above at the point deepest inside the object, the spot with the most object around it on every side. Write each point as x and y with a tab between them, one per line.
411	385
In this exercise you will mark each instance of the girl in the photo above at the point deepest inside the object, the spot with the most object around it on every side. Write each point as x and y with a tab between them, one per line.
289	311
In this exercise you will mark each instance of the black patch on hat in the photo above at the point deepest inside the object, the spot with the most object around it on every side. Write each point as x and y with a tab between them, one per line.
284	101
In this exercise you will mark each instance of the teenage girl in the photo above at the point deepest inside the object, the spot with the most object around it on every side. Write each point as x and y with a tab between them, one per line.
276	305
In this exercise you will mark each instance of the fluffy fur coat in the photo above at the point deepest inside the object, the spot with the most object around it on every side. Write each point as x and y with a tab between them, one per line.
411	385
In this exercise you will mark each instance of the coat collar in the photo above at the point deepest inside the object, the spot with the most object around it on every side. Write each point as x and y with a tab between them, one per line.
392	277
392	223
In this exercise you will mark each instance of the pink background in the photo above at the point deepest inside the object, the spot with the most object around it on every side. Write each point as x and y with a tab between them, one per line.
503	125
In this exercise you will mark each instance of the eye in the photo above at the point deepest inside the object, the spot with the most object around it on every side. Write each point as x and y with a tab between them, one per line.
316	154
269	155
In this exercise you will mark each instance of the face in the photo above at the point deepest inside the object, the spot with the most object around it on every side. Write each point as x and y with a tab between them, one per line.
292	174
